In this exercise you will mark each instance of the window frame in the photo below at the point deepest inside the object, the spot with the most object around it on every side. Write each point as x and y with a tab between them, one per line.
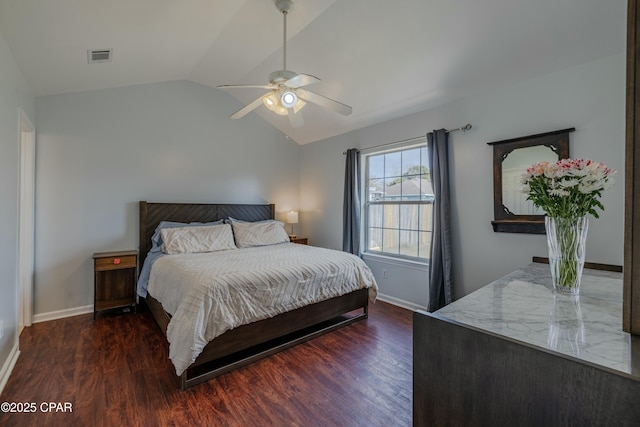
367	203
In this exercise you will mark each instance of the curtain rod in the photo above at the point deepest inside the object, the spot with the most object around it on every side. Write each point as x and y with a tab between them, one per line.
462	128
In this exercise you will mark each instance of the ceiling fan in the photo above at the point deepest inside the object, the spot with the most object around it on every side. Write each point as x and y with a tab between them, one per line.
286	96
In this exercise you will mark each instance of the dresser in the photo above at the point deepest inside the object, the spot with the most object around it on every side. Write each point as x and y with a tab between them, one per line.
516	353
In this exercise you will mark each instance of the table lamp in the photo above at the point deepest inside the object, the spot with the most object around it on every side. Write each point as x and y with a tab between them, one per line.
292	218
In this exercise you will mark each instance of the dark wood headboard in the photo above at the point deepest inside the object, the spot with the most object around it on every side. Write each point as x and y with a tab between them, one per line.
151	214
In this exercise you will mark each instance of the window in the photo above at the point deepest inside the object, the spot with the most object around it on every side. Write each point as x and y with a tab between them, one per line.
398	203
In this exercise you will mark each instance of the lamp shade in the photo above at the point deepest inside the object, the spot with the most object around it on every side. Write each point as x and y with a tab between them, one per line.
292	217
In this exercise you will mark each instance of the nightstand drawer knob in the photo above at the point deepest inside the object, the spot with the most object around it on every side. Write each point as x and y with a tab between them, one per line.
116	261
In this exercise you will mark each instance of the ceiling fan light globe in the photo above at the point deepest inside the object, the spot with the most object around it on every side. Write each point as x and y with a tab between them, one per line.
270	101
299	105
288	99
281	110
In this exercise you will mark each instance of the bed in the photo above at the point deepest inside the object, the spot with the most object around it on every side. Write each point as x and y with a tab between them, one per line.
241	344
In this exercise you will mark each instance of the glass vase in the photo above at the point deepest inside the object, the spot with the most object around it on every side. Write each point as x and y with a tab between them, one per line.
566	325
566	238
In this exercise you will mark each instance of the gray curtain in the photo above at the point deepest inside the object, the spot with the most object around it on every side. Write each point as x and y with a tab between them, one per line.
440	280
351	206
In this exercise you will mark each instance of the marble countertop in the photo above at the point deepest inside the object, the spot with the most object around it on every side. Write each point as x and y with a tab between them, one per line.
522	306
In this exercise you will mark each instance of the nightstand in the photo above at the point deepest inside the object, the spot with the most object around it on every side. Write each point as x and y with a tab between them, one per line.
300	240
114	280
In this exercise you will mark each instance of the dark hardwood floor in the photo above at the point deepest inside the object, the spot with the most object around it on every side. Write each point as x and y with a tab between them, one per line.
115	371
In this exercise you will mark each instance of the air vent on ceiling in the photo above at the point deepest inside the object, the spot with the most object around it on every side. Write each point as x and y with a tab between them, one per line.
97	56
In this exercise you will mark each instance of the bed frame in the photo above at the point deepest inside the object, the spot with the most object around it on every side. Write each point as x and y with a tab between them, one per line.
248	343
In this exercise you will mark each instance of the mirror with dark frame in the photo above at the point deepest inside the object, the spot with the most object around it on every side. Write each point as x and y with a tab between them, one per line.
511	157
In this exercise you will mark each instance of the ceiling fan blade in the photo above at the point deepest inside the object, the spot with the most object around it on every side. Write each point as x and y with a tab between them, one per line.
295	118
246	87
247	108
325	102
301	80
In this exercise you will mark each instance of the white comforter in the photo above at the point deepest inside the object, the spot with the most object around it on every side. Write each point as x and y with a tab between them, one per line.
210	293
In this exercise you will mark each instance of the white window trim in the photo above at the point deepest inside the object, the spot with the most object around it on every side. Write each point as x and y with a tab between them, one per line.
395	260
367	152
394	146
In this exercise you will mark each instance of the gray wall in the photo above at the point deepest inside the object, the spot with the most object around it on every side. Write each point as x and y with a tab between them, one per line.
14	94
100	152
589	97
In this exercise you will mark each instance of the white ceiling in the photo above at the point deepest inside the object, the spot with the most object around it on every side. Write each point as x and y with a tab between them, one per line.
386	59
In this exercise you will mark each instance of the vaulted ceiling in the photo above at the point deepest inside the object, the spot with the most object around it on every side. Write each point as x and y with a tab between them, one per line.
386	59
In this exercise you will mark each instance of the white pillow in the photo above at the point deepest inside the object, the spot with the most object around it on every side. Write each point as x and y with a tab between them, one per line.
156	239
183	240
248	234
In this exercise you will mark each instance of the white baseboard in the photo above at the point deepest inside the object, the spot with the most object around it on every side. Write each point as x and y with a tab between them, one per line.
6	370
61	314
400	302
